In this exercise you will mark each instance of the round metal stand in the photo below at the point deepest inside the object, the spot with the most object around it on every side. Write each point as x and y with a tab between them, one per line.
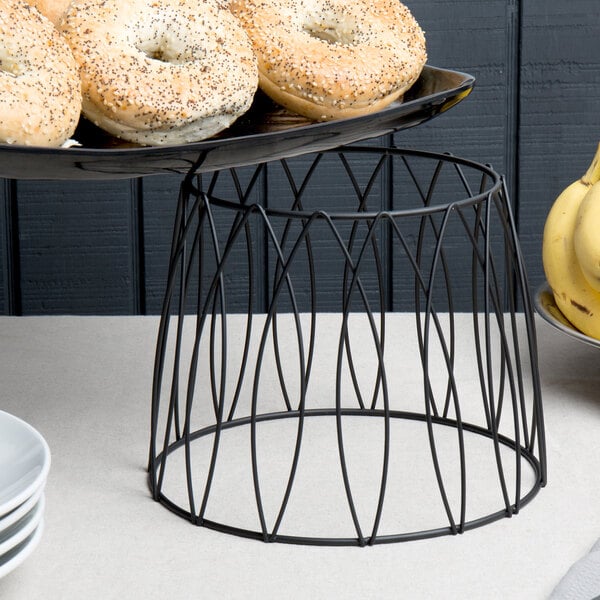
259	413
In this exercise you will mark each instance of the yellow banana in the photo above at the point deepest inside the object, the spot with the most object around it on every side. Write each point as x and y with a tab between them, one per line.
574	296
586	236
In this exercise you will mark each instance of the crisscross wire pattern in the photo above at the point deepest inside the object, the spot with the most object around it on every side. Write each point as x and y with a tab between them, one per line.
414	228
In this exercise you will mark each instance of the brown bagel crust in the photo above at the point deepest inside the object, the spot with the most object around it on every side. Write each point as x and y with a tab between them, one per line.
161	71
51	9
40	95
331	59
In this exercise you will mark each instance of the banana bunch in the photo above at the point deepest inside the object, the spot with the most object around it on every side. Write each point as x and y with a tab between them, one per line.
571	251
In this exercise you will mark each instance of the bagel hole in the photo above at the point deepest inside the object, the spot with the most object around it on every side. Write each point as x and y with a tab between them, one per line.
328	33
159	55
159	50
9	68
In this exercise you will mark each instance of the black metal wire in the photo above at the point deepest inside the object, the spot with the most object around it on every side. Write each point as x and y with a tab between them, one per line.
415	239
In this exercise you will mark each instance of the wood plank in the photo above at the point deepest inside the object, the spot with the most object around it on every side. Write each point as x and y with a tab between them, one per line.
75	240
560	108
474	37
160	201
469	36
4	254
336	244
10	299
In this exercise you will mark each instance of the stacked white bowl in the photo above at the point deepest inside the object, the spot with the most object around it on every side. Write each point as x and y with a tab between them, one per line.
24	466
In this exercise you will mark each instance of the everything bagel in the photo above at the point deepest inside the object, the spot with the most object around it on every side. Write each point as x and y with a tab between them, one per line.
161	71
40	91
330	59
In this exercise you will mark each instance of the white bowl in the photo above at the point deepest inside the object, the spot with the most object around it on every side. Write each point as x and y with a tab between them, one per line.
13	558
13	536
24	462
18	513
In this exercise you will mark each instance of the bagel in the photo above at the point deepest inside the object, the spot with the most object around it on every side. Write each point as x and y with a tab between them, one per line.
158	72
40	94
51	9
332	59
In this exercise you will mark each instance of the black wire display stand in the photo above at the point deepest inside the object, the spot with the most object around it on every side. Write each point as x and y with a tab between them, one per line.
351	393
438	206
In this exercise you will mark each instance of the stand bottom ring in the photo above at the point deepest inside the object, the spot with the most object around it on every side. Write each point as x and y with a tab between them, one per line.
460	481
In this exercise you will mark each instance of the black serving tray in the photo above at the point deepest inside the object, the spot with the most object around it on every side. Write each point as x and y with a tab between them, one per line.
266	132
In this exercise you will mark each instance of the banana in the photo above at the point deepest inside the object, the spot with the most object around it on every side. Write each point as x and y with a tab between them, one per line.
574	296
586	236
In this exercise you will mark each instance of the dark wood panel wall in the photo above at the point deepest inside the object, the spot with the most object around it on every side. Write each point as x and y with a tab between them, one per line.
103	247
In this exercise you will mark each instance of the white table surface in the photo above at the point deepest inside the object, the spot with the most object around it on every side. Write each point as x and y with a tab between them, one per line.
84	382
